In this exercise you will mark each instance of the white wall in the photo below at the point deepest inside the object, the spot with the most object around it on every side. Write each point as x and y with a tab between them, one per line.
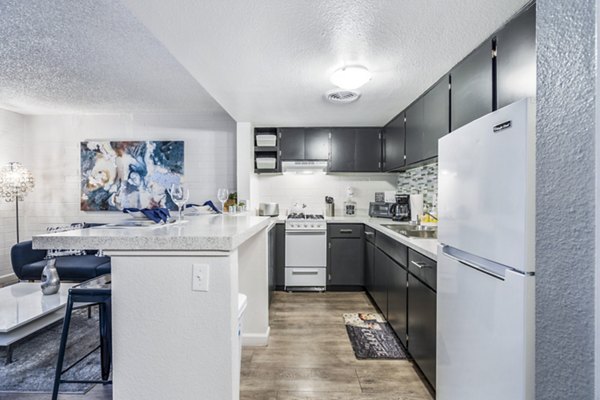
11	138
53	157
312	189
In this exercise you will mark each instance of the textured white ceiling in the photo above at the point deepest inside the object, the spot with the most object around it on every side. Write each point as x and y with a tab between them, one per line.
269	61
89	56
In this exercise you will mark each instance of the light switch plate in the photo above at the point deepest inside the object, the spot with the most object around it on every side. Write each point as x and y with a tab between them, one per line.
200	275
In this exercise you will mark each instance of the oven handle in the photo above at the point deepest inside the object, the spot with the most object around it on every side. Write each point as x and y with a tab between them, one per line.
298	233
305	271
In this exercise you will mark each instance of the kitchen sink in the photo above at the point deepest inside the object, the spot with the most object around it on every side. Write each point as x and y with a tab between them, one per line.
417	231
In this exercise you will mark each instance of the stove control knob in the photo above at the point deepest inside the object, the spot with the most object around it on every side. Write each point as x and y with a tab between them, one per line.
305	225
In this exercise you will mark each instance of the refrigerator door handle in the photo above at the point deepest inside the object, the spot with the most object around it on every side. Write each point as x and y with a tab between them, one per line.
495	274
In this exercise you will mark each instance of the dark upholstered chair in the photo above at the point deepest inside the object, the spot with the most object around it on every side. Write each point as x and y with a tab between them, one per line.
28	264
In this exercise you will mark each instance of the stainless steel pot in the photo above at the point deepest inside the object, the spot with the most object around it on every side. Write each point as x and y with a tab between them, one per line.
268	209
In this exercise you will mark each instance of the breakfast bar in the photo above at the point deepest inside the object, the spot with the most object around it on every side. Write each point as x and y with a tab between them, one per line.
175	302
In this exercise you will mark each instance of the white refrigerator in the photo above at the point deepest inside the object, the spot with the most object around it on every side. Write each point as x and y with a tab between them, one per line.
486	265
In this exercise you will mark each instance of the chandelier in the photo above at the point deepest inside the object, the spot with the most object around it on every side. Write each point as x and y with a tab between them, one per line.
15	182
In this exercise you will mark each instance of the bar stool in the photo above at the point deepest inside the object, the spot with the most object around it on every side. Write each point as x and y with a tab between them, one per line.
96	291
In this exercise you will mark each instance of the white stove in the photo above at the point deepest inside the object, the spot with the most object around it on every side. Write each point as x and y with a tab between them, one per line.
305	252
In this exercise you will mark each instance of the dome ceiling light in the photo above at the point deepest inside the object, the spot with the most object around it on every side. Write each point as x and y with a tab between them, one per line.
351	77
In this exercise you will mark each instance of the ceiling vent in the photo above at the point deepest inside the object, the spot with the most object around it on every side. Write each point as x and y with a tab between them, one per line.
341	96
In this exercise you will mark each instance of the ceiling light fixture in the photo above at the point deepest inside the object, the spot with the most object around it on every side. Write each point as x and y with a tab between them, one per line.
351	77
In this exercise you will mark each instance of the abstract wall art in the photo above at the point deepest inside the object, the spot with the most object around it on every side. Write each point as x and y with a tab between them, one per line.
118	174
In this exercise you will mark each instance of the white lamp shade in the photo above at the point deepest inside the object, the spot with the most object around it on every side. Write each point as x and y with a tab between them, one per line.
351	77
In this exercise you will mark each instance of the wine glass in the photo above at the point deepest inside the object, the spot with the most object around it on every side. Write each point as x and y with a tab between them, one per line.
180	196
222	195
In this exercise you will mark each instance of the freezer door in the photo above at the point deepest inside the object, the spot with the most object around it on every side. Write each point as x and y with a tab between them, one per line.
485	332
486	187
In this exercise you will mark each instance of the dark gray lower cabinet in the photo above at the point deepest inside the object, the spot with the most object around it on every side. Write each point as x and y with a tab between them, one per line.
397	297
380	281
346	256
369	266
279	256
272	260
422	326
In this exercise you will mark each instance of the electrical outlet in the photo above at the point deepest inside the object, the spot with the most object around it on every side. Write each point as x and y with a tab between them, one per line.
200	275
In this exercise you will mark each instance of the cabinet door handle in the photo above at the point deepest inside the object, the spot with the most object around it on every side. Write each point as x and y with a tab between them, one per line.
420	265
345	230
367	233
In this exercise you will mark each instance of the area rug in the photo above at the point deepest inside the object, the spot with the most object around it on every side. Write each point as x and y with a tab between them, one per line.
34	360
372	337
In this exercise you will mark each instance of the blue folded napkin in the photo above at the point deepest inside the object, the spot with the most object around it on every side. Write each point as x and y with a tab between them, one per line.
211	205
206	203
155	214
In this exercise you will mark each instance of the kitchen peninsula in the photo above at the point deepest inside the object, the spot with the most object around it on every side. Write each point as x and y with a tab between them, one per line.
172	337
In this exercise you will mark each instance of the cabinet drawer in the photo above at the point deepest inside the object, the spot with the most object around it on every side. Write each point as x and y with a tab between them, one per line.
305	277
393	248
423	268
370	234
345	230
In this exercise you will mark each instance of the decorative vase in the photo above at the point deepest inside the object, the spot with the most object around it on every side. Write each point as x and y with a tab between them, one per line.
50	279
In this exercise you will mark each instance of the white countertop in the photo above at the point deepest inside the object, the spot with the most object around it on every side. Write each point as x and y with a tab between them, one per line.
427	247
204	232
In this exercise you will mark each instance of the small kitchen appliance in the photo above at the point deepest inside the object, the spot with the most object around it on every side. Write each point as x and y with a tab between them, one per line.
268	209
305	251
401	208
380	209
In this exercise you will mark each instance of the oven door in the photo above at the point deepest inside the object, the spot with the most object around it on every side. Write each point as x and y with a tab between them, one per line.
306	249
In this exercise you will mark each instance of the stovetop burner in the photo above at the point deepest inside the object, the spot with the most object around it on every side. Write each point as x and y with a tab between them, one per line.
305	216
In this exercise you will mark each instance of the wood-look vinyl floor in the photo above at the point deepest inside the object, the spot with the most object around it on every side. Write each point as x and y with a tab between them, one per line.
309	357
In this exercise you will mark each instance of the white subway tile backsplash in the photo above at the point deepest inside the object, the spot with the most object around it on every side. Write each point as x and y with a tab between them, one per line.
312	189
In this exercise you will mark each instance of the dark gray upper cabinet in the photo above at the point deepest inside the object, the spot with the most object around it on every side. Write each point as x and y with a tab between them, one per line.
291	143
415	126
304	144
343	150
515	59
472	86
436	111
355	150
394	135
346	255
368	150
316	144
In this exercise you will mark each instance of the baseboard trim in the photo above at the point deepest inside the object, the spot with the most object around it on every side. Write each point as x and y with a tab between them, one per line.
8	278
256	339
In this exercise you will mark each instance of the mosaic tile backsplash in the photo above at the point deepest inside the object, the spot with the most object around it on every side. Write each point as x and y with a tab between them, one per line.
418	180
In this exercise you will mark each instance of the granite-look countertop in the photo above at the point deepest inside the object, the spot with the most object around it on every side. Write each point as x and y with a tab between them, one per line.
196	233
427	247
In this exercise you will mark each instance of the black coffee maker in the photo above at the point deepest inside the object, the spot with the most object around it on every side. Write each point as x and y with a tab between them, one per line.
401	209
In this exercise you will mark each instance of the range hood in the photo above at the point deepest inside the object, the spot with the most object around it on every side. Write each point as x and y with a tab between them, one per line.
304	167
